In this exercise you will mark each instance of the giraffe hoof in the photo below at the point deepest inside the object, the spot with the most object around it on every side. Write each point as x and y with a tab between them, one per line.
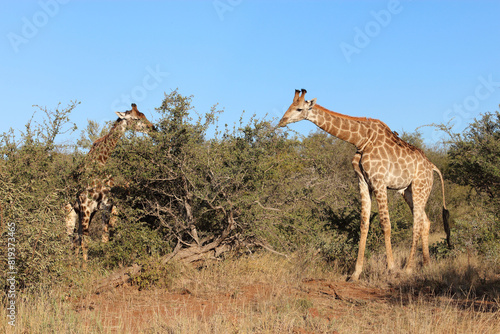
353	278
408	270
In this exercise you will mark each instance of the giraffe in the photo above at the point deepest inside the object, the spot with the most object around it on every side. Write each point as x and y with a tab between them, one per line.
96	187
382	161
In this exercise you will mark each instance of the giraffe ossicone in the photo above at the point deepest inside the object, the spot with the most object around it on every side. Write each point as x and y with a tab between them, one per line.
382	161
95	185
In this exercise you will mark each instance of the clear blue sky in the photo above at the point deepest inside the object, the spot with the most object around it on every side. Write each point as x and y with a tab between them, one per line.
405	63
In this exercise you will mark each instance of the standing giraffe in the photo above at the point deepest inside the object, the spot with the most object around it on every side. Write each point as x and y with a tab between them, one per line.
382	161
96	186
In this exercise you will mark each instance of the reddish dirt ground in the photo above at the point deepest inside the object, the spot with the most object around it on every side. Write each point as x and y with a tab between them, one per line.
127	308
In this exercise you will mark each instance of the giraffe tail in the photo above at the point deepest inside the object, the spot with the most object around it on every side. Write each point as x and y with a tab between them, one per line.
446	213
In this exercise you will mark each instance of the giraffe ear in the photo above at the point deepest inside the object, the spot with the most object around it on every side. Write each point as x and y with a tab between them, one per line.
312	103
122	115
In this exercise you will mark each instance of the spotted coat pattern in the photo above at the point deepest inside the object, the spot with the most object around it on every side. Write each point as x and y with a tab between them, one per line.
382	161
96	187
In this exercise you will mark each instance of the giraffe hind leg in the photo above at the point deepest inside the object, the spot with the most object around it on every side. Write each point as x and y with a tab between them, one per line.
417	231
425	240
407	196
87	212
421	224
385	222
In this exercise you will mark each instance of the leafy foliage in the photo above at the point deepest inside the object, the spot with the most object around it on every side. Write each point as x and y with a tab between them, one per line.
475	156
31	197
473	164
249	183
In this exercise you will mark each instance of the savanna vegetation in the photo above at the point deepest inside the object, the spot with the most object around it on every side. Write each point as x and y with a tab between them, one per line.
209	208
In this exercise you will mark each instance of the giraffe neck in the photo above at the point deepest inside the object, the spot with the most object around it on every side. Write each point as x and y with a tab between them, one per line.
354	130
104	146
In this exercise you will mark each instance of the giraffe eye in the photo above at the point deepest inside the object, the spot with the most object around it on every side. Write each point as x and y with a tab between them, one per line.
300	110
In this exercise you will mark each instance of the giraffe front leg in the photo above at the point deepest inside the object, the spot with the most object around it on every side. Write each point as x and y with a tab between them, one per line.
84	236
83	230
77	244
109	223
71	220
366	205
385	222
78	238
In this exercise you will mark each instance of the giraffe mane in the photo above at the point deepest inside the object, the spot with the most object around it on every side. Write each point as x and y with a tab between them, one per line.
390	133
353	118
404	144
115	124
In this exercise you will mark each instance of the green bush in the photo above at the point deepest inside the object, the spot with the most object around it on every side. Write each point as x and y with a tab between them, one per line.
32	196
473	166
478	233
475	156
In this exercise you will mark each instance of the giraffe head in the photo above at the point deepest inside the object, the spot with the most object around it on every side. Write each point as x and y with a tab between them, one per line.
135	119
298	110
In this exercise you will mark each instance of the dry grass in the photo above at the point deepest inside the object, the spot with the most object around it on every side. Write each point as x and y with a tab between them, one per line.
462	276
264	293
